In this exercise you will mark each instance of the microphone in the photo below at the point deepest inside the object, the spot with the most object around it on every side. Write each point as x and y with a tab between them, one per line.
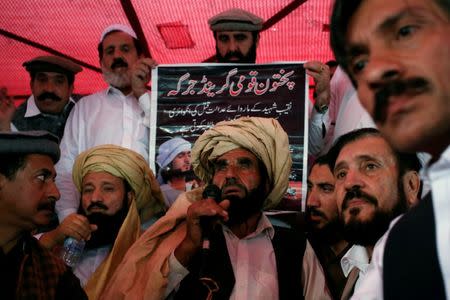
207	223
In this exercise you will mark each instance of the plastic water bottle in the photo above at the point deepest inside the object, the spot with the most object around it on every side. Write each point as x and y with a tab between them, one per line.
73	250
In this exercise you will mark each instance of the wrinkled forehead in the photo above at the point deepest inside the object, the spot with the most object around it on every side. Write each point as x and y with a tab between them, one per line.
363	149
115	38
51	75
376	15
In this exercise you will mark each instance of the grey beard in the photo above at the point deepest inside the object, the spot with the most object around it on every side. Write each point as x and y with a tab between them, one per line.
117	80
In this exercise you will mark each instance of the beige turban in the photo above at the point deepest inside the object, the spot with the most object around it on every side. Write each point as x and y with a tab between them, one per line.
264	137
131	167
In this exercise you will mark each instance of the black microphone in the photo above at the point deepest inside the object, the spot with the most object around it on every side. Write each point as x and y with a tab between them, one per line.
207	223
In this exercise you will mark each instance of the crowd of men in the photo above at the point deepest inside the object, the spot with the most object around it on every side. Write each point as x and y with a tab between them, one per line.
376	220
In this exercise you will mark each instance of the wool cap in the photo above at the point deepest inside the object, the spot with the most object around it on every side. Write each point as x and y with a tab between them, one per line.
51	63
30	142
235	19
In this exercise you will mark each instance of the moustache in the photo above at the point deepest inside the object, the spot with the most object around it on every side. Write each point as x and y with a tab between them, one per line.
118	62
48	95
232	182
396	88
50	205
357	193
315	212
231	54
98	205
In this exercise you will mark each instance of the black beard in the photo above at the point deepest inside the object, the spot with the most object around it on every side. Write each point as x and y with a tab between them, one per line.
329	234
250	58
241	209
369	232
107	227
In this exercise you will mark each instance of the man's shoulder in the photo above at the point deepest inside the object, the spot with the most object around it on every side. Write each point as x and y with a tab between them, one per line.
94	96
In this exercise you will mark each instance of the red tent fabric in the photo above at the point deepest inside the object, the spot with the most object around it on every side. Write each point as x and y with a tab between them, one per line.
175	31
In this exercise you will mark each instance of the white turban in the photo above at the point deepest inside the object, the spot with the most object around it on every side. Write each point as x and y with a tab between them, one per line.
264	137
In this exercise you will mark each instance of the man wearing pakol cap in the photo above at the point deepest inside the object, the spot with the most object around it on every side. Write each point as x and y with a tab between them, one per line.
27	198
249	161
118	193
117	115
52	83
175	169
236	33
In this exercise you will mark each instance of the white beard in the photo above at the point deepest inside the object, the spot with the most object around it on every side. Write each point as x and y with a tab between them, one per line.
120	81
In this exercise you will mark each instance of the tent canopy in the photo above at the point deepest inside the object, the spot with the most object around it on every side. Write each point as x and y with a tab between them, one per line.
175	32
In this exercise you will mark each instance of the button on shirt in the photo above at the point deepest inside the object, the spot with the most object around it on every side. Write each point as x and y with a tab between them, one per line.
107	117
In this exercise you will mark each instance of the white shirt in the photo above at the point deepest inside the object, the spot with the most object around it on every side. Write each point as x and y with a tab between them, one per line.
344	114
356	257
32	110
107	117
254	267
371	286
438	175
89	262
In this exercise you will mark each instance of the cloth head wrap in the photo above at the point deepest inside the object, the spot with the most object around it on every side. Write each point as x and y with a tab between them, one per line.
131	167
168	151
264	137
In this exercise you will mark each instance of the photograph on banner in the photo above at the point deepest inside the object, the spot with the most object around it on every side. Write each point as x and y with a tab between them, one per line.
189	99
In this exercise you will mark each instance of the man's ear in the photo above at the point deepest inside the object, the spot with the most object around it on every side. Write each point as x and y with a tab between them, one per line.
257	40
411	186
130	197
3	181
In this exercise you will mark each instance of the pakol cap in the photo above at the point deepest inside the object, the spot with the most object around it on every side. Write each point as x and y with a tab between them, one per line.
235	19
52	63
118	27
30	142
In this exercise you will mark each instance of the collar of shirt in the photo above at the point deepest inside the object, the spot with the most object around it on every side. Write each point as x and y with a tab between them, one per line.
438	168
357	257
33	110
114	90
264	226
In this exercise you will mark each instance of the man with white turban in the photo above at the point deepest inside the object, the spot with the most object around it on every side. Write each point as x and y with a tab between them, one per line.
249	258
118	193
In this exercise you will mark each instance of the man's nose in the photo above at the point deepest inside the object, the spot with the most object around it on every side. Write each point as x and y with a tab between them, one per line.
49	86
353	179
312	200
382	68
96	196
232	45
53	192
